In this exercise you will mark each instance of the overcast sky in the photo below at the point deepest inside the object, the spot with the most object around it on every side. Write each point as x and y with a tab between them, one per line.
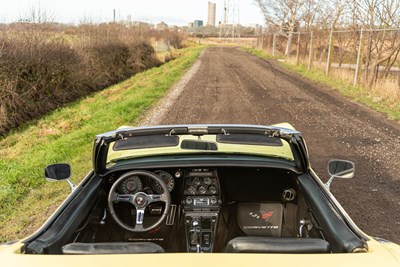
173	12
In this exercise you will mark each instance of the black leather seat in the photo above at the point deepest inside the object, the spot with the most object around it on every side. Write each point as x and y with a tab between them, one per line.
257	244
111	248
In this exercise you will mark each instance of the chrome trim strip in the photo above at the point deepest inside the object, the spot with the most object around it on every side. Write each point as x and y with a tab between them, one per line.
171	216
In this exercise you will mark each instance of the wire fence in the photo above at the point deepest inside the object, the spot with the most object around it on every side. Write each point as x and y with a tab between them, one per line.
366	57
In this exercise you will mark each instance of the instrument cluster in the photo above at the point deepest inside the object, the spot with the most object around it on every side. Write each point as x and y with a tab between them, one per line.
134	183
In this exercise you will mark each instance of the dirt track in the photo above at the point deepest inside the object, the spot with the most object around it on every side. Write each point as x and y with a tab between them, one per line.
231	86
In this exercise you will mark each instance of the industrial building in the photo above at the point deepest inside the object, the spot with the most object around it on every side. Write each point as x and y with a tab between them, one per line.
197	23
211	14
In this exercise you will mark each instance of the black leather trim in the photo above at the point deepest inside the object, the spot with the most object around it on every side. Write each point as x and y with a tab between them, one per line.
63	228
111	248
257	244
336	231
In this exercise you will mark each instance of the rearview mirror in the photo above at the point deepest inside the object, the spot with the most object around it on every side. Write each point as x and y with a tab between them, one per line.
59	172
340	169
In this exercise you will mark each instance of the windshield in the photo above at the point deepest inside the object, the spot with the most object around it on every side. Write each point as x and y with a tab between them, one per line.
156	145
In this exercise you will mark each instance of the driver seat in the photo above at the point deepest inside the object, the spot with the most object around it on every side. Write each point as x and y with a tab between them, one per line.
111	248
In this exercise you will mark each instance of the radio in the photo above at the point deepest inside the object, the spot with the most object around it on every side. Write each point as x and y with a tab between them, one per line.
201	201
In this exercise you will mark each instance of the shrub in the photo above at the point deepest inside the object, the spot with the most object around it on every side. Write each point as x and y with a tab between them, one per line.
34	76
42	70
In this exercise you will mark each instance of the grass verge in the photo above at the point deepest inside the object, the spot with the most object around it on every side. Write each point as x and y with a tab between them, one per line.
258	53
388	106
66	135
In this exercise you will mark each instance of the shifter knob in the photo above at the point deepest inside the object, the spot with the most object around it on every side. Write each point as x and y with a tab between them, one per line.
195	223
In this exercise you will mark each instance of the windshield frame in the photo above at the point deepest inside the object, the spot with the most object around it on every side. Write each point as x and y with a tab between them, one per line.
292	138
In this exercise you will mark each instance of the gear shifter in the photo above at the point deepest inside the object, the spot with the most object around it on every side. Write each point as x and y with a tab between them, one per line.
194	238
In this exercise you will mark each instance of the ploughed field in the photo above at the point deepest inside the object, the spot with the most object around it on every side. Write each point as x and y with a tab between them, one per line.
231	86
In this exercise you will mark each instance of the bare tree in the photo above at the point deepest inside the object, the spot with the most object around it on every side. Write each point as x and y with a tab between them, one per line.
375	13
388	13
382	47
288	16
282	15
335	12
38	13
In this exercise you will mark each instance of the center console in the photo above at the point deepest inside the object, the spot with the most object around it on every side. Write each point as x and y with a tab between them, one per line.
201	205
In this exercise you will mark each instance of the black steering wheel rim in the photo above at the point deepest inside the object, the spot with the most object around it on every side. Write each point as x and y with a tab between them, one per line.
139	200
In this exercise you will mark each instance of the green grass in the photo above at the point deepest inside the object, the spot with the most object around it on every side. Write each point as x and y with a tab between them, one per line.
390	107
66	135
258	53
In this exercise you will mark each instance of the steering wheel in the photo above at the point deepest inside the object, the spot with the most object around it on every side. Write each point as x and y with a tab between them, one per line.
140	201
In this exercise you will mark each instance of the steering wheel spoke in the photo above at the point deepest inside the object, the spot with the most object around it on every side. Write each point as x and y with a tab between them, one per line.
155	198
139	216
124	198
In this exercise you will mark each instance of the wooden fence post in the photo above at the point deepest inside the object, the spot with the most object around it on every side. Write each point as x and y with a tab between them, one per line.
398	86
310	54
273	45
330	54
289	45
298	49
359	60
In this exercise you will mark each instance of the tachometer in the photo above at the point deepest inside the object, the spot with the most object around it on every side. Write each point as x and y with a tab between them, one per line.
168	180
131	185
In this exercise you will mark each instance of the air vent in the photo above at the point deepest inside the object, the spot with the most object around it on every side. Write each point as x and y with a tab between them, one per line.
198	145
288	195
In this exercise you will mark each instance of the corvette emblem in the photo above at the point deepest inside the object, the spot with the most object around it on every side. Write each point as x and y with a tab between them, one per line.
139	200
267	215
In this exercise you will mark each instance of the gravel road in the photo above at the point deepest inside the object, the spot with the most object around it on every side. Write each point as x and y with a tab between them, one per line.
231	86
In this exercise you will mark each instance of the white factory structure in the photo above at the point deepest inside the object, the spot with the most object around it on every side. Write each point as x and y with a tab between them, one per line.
211	14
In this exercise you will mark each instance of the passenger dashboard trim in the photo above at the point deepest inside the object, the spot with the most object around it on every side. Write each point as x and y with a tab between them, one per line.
196	162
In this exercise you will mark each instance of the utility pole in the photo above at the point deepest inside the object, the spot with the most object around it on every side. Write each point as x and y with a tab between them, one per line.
229	28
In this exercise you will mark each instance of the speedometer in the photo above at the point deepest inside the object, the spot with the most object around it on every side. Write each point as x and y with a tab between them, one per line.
131	185
167	178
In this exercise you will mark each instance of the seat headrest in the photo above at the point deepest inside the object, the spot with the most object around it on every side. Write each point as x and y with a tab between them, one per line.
111	248
258	244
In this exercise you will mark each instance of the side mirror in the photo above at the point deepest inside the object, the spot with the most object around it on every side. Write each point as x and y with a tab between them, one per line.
59	172
340	169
